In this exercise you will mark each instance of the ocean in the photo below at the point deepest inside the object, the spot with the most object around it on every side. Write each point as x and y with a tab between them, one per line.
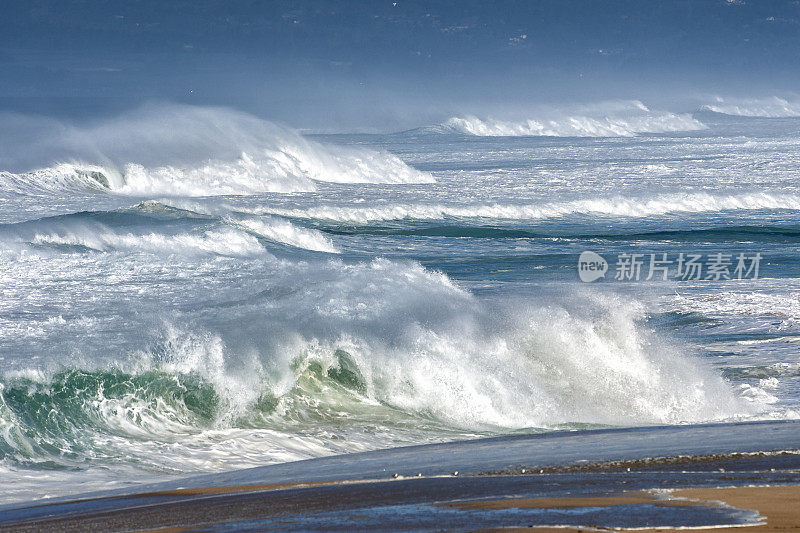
193	289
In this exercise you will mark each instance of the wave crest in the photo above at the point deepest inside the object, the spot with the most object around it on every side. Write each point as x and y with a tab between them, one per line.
609	120
774	107
617	206
226	242
188	151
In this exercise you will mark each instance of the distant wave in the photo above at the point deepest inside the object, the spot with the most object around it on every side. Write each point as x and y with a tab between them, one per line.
186	151
627	120
615	206
773	107
482	231
271	172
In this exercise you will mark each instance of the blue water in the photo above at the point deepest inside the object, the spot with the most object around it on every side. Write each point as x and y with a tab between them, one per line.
194	289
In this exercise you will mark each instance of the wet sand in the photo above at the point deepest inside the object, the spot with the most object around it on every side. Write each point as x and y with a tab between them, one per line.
415	504
778	505
418	488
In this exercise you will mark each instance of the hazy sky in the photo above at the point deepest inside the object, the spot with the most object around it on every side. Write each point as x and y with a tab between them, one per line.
338	64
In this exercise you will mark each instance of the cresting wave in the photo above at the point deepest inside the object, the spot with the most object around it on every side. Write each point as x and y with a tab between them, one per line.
272	228
423	354
137	229
618	206
608	120
228	242
774	107
184	151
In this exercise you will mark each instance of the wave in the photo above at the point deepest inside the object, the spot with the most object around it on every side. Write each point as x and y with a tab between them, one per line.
285	232
297	359
62	177
383	344
455	230
617	207
626	120
187	151
773	107
159	228
272	228
228	242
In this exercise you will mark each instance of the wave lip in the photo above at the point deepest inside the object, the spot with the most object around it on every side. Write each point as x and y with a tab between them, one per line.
606	120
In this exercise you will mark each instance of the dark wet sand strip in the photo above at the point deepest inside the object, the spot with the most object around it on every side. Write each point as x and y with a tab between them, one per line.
502	483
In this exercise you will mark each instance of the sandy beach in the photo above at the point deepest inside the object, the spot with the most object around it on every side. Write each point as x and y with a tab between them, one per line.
773	508
590	480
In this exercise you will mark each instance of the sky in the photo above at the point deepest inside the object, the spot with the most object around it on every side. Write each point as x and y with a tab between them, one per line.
349	65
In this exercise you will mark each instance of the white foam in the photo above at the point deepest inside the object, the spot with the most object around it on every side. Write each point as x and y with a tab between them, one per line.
228	242
191	151
426	347
773	107
285	232
62	177
272	228
612	119
615	206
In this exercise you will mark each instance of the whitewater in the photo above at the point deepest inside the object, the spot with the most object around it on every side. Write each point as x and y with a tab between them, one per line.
195	289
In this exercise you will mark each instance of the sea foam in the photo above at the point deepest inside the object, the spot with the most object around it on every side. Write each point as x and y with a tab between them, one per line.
609	120
615	206
186	151
773	107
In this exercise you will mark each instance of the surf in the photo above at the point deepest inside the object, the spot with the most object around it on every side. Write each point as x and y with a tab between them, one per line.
181	150
606	119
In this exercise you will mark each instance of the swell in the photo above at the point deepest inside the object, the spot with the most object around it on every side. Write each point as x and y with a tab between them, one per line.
609	119
776	234
153	226
321	355
58	178
609	207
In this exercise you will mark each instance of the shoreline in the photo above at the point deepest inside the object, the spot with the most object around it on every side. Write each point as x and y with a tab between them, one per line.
574	480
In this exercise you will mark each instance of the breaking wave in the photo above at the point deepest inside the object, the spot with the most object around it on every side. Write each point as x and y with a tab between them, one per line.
617	206
628	120
136	229
61	177
228	242
773	107
285	232
185	151
383	344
